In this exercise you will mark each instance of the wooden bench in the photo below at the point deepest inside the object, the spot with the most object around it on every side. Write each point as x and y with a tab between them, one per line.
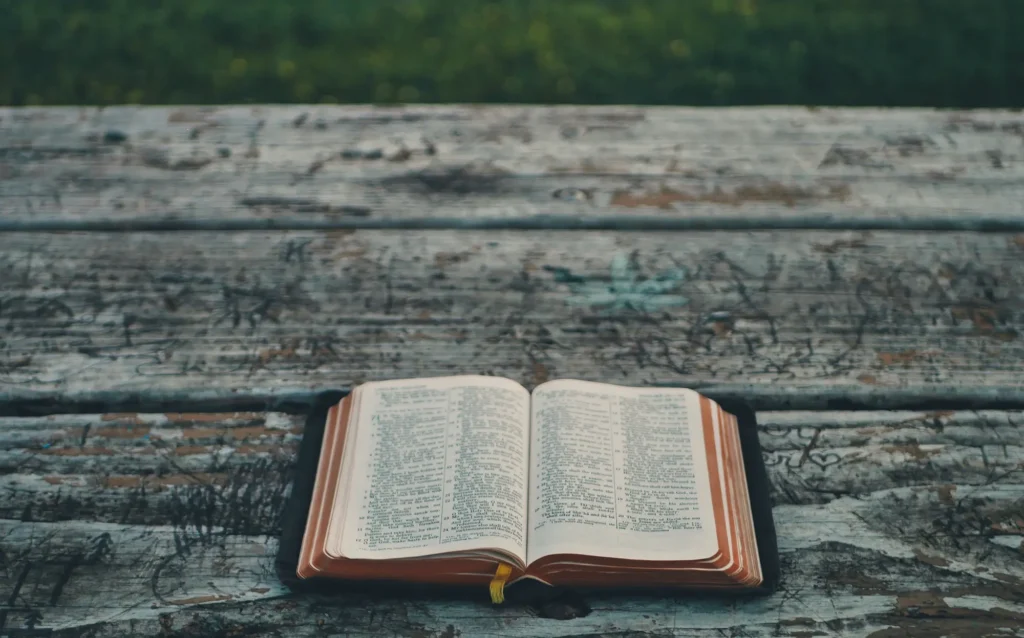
178	284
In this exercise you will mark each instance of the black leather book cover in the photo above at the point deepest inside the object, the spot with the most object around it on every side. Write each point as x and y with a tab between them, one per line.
293	522
296	510
759	488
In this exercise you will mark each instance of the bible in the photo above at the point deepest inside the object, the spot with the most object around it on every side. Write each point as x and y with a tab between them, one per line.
473	480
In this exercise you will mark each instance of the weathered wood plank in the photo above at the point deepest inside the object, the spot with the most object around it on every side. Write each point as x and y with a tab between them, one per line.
852	566
150	469
231	470
832	315
364	166
227	470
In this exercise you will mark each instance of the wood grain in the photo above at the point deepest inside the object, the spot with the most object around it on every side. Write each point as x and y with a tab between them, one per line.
779	318
900	522
294	167
430	240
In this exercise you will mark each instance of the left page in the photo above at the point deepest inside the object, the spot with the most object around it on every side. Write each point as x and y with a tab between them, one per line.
440	465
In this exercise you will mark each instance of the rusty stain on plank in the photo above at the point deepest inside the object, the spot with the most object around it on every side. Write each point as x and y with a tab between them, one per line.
170	480
212	417
929	559
913	450
232	432
126	432
906	357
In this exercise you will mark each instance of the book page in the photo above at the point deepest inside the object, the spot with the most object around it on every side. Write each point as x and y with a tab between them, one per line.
439	465
620	473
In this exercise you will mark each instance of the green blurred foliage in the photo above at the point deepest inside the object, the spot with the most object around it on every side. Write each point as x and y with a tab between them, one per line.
949	53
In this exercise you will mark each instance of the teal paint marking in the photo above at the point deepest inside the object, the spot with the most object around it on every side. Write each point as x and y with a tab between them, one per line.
627	290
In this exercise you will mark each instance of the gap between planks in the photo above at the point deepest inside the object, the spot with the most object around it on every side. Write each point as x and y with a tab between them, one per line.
298	400
618	223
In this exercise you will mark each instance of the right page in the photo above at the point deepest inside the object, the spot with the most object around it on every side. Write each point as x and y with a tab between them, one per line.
618	472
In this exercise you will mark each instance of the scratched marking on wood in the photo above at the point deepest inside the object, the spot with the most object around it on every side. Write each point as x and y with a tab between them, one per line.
161	547
358	164
890	524
126	516
750	314
628	290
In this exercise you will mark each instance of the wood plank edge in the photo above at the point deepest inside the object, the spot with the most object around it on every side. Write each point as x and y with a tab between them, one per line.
760	397
952	221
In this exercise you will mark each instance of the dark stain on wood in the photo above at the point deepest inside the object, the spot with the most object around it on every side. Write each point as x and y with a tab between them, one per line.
359	154
946	175
191	115
20	362
471	179
157	158
43	153
443	259
909	145
401	155
833	247
247	500
995	157
564	606
960	121
302	205
115	137
540	373
799	621
839	155
774	192
984	319
198	600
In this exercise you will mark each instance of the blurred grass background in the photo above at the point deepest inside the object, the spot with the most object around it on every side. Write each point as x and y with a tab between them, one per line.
947	53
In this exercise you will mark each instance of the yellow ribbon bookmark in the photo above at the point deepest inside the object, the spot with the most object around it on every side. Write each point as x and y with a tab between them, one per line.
498	583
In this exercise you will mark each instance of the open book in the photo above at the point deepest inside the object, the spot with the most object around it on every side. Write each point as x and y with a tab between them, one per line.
472	479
